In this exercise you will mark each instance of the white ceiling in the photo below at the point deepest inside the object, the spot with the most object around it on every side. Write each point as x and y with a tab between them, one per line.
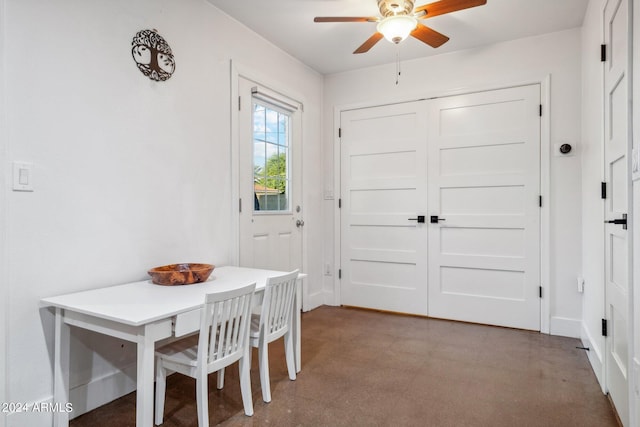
328	47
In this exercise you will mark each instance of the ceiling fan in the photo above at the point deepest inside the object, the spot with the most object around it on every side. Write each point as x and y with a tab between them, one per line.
400	19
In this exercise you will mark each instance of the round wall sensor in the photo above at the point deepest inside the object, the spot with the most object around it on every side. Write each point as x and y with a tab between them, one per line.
565	148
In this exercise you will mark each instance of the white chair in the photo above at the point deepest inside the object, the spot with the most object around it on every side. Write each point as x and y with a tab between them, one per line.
271	321
223	340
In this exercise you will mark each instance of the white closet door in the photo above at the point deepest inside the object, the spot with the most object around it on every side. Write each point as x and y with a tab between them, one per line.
484	187
383	184
616	144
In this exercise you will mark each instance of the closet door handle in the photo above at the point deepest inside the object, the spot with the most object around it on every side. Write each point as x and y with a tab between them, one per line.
420	219
622	221
435	219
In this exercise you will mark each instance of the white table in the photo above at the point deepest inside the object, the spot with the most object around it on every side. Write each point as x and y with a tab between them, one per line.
144	313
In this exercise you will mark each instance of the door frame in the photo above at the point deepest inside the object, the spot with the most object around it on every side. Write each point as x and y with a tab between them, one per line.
634	304
545	184
237	71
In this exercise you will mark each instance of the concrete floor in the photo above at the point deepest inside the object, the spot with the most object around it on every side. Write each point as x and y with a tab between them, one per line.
366	368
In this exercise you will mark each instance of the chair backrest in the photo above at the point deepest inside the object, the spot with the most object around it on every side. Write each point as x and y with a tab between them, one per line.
224	327
277	305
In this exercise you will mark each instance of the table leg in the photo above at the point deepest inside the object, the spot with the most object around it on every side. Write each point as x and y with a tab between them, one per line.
297	325
61	369
144	397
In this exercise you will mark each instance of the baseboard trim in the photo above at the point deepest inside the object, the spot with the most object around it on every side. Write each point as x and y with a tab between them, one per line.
102	390
329	298
635	392
83	398
312	301
565	327
594	355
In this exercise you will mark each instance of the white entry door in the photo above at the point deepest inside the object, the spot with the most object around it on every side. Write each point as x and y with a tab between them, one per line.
484	188
383	190
616	144
271	221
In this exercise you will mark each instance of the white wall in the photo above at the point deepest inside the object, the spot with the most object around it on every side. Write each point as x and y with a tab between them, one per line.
129	173
4	290
592	176
521	61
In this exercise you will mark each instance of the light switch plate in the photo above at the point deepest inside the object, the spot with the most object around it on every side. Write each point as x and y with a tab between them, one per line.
22	176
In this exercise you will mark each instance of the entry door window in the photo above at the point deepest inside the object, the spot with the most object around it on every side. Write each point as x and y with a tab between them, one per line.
271	164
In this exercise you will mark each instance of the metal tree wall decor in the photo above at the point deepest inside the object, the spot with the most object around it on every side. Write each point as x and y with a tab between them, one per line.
153	55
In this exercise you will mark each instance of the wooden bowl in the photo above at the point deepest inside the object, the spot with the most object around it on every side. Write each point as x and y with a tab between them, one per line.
180	274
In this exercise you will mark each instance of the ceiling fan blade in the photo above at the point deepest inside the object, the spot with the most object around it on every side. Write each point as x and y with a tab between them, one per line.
429	36
345	19
446	6
371	41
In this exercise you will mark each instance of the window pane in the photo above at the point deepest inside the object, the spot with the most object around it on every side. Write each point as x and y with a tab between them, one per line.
272	126
275	197
259	155
271	150
270	159
283	124
259	122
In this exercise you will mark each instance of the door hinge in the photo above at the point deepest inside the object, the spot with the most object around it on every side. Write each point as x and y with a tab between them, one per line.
604	327
540	201
239	102
339	132
240	205
603	190
339	273
603	52
540	291
540	111
339	203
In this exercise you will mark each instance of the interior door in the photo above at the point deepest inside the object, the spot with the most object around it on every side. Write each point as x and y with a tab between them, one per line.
383	193
271	221
484	188
616	144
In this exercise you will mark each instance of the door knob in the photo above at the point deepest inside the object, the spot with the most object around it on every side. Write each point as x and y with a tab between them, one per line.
622	221
299	223
434	219
420	219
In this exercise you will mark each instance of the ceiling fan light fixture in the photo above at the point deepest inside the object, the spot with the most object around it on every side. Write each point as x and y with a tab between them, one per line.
397	28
